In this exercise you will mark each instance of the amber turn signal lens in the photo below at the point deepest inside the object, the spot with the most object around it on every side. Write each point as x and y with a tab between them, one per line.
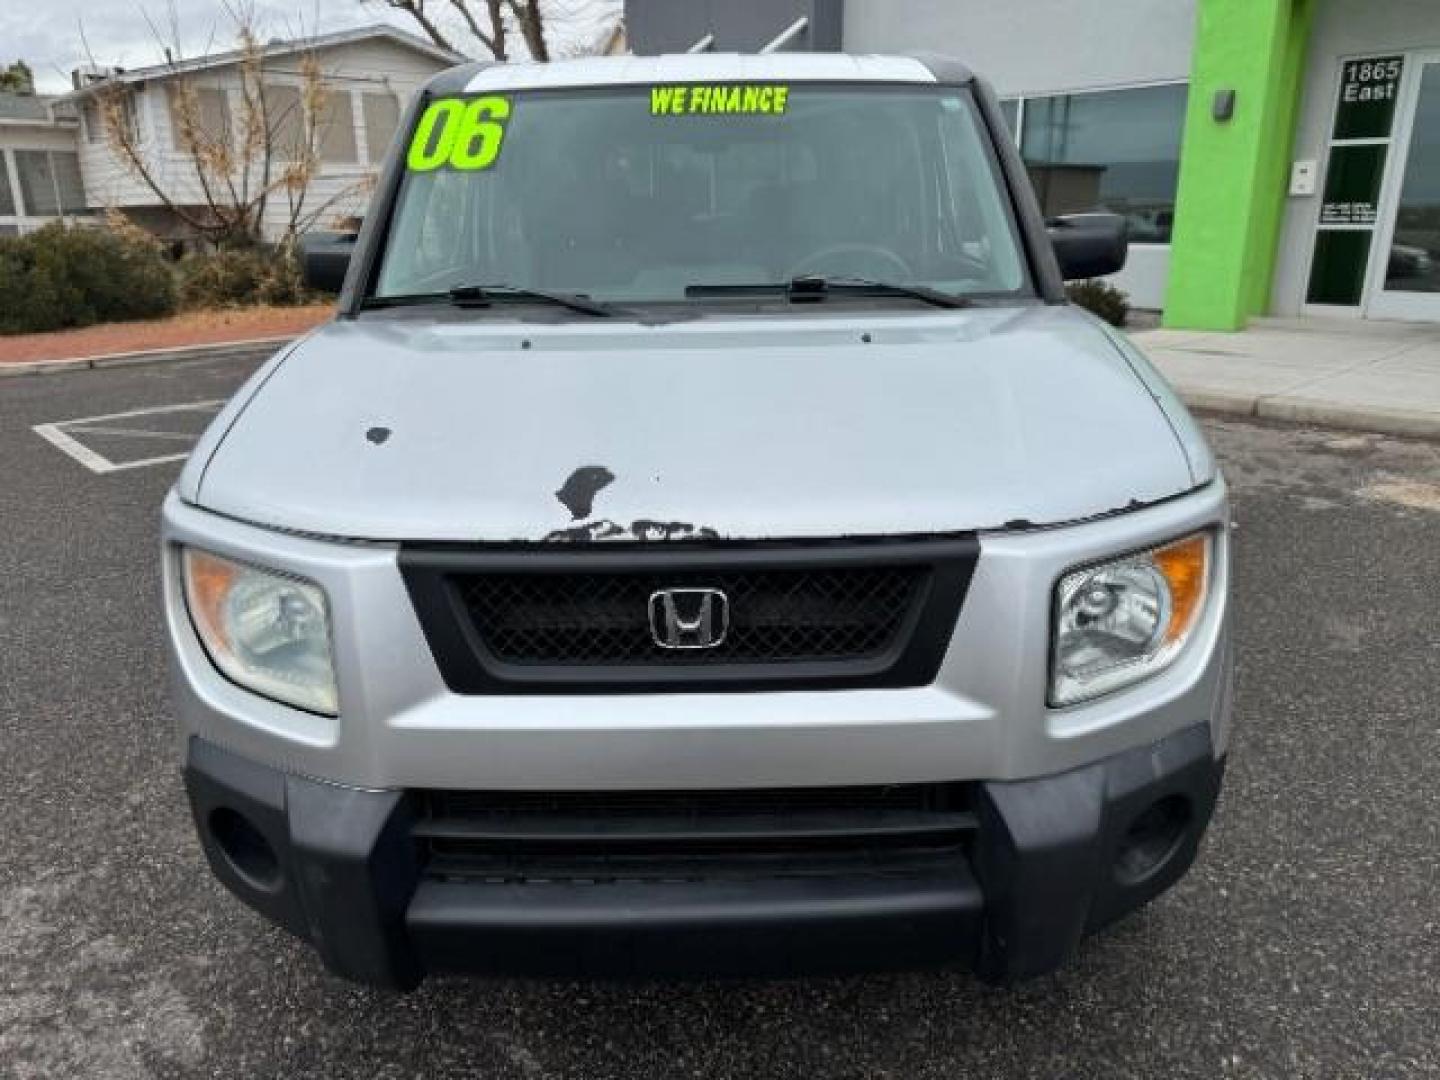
208	581
263	629
1184	564
1122	621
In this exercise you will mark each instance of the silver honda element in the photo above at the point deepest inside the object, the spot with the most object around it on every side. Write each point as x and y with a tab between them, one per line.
704	541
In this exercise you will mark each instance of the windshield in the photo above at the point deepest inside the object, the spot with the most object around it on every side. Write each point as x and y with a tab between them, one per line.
635	194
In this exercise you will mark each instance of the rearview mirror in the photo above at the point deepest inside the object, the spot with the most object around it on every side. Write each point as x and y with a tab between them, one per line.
1088	245
324	258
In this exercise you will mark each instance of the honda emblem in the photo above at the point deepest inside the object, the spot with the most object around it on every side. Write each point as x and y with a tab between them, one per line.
689	618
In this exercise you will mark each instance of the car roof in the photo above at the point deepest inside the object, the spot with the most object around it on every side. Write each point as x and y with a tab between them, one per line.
700	68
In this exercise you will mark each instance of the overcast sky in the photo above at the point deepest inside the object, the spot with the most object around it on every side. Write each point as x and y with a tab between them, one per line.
47	33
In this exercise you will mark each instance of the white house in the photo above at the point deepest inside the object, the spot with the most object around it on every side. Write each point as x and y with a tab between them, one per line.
39	163
369	74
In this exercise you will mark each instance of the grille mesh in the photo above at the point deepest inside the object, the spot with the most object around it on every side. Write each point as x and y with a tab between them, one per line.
601	837
776	615
698	804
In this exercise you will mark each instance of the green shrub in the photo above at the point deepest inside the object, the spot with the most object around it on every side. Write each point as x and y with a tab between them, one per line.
59	277
242	278
284	285
1103	299
222	279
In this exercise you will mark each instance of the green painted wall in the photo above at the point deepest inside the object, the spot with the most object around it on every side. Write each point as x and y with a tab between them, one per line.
1233	173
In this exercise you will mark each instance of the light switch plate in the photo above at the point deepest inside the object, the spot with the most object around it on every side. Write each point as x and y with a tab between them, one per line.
1302	178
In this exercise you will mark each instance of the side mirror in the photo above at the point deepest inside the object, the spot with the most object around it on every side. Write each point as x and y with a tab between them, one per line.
1088	245
324	258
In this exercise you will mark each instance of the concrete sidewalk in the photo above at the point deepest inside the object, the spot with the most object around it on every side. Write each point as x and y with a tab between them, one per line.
1368	375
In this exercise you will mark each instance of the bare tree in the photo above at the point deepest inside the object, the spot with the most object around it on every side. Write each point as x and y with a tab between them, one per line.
490	22
425	18
238	160
532	27
495	39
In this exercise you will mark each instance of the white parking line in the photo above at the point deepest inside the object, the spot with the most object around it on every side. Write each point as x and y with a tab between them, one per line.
52	434
133	433
61	434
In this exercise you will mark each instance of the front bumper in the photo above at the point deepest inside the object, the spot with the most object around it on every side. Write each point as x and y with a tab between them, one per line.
1049	860
984	716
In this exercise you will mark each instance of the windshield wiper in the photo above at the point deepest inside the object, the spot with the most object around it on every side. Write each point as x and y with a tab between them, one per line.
811	287
482	295
485	295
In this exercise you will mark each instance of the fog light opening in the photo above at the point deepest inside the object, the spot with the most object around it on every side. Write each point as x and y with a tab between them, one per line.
245	849
1152	839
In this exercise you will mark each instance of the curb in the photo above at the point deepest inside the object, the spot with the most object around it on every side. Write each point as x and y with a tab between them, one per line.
253	349
1415	423
1315	412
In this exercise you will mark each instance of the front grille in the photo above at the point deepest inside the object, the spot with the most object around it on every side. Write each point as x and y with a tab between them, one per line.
600	837
685	805
545	619
775	615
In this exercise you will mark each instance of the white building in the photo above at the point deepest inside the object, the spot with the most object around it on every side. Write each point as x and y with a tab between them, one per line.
39	163
370	74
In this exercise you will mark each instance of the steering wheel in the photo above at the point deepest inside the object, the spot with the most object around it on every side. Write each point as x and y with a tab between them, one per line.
813	262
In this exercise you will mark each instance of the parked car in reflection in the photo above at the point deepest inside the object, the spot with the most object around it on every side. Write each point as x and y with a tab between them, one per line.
1408	262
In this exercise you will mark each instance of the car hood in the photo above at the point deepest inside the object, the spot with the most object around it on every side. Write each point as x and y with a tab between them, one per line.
427	424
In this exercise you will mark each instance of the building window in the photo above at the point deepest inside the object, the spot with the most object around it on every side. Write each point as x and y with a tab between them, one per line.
91	115
7	197
95	109
129	116
50	182
336	124
285	120
1115	150
1010	110
382	117
211	119
66	166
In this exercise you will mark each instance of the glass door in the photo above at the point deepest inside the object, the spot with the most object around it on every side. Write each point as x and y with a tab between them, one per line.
1405	282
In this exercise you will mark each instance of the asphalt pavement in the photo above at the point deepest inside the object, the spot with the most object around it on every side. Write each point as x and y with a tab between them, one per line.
1306	941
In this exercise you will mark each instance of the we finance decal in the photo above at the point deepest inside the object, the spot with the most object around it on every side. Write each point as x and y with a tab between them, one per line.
727	99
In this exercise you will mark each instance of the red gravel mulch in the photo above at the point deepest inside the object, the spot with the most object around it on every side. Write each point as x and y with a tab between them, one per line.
190	328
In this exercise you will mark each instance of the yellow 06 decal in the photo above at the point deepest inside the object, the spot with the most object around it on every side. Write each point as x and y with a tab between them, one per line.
463	133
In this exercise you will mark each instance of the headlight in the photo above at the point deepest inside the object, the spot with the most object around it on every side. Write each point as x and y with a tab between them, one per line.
265	631
1122	621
